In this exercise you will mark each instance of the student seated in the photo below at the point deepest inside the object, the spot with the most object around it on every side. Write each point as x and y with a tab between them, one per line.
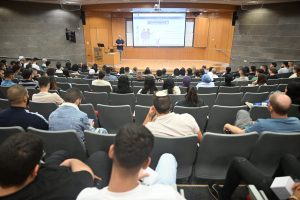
191	99
100	81
149	86
123	85
8	78
169	87
131	157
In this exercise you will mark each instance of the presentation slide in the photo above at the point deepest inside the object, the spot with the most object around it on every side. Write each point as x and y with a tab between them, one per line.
158	29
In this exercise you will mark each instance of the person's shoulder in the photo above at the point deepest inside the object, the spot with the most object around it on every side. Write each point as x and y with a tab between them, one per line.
35	115
90	193
163	192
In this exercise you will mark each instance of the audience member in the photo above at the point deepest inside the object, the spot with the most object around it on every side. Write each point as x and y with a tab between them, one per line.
214	73
273	64
84	68
292	90
197	73
189	72
191	99
228	80
284	68
279	106
206	81
48	64
75	68
176	72
8	78
273	73
68	66
91	74
265	69
27	79
17	114
162	122
252	71
149	86
127	72
66	73
159	76
134	70
242	73
186	81
147	71
169	87
254	78
51	72
261	80
108	76
44	96
25	176
131	156
296	71
68	116
139	76
100	81
123	86
122	70
34	64
182	72
95	67
58	68
164	72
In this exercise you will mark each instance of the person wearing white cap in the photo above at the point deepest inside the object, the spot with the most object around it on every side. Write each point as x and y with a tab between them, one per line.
161	122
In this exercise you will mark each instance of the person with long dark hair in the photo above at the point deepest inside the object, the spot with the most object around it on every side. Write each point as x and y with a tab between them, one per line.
123	85
149	86
169	87
191	99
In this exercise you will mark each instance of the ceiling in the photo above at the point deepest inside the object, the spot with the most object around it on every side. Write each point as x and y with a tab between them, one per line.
230	2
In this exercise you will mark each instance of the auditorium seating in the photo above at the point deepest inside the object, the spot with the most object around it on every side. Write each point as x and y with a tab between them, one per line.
255	97
216	152
207	90
6	132
224	89
209	99
63	86
123	99
259	112
141	113
100	88
44	109
267	88
144	99
81	87
245	89
98	142
4	104
61	140
229	99
3	91
90	111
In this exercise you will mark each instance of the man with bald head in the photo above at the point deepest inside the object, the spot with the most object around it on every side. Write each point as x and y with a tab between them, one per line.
279	107
17	114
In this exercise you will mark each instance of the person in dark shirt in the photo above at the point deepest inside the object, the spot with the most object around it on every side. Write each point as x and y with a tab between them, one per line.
191	99
24	176
120	46
28	81
273	73
123	85
149	86
17	114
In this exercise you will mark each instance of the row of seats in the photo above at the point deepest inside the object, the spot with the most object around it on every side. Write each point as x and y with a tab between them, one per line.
209	161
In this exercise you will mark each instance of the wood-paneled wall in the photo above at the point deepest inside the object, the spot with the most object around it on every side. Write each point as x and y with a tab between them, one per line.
213	35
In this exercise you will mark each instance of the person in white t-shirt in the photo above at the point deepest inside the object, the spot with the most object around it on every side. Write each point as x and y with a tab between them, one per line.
34	65
100	81
161	122
130	154
44	96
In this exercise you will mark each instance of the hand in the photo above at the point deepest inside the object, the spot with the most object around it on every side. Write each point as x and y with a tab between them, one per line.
226	127
296	190
152	111
142	174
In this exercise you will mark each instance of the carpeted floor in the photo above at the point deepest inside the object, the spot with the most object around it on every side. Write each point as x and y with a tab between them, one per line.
200	192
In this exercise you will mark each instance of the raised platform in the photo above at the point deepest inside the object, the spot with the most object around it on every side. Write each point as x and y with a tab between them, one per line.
170	65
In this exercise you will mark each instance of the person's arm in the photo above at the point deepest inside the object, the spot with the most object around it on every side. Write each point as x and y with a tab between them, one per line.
233	129
150	115
76	166
199	136
296	192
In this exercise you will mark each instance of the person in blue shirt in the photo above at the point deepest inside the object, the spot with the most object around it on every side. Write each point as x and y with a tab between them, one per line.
8	77
279	107
108	76
120	46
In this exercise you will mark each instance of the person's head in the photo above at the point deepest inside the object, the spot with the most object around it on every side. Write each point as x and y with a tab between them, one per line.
48	62
273	71
75	67
253	69
242	72
203	67
9	74
73	95
17	96
120	37
201	72
101	74
50	71
176	72
68	65
259	71
123	82
92	72
27	74
197	73
158	73
186	81
191	96
182	71
210	69
34	60
162	103
214	71
149	85
44	82
228	79
20	156
107	70
53	85
280	104
206	78
164	71
246	70
127	70
147	71
264	68
291	64
139	76
169	85
66	73
135	69
122	70
189	72
285	64
297	70
228	70
16	69
292	90
273	64
58	65
261	79
131	149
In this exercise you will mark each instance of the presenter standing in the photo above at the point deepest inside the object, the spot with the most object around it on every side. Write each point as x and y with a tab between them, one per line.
120	46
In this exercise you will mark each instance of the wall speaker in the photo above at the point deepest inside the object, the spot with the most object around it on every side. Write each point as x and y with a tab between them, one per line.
234	17
82	16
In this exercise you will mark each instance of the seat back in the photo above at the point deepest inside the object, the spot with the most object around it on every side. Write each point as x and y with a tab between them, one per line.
144	99
6	132
112	118
4	104
281	87
141	113
259	112
209	99
273	81
176	98
267	88
63	86
286	80
136	89
123	99
96	98
98	142
270	147
81	87
255	97
3	92
220	115
217	150
61	79
199	113
207	90
294	111
89	109
75	80
44	109
180	147
61	140
245	89
95	88
225	89
229	99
